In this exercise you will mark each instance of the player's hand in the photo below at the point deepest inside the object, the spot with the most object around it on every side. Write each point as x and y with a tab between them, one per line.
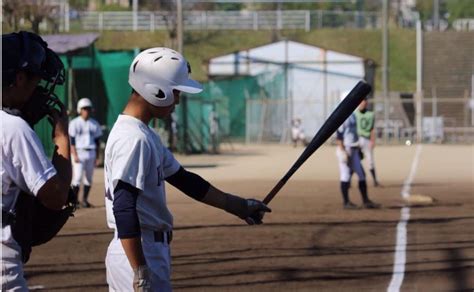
141	279
256	211
76	159
59	121
372	144
250	210
342	155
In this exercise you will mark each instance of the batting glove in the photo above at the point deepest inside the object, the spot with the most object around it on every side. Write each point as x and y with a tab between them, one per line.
250	210
141	279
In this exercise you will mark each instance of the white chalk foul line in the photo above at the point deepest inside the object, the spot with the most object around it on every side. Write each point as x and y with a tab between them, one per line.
402	238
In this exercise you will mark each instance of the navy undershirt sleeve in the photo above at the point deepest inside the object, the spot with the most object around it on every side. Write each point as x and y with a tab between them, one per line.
125	212
189	183
73	141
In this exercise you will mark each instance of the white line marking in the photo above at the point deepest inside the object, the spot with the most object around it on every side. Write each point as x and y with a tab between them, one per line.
402	238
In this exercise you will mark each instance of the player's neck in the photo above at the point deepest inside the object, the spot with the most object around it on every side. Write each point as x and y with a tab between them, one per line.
138	111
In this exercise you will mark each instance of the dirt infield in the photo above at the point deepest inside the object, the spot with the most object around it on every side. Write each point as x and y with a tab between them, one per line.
308	242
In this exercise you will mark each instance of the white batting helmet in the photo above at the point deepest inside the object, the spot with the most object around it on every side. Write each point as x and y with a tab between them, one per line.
155	72
82	103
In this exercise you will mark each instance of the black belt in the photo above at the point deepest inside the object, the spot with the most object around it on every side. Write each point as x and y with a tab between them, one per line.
161	236
8	218
87	149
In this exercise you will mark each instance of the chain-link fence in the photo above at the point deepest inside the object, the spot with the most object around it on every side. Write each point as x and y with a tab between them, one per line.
227	20
443	120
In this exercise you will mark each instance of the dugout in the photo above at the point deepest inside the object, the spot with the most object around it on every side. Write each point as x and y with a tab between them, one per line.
266	87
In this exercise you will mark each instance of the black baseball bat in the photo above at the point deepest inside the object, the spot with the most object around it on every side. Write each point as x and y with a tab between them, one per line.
335	120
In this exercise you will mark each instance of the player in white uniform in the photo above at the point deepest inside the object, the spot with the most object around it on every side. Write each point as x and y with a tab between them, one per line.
366	132
26	171
297	132
348	153
136	168
85	133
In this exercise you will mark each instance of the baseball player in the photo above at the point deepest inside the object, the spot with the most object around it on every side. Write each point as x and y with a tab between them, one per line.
366	132
136	168
85	133
348	153
297	132
26	171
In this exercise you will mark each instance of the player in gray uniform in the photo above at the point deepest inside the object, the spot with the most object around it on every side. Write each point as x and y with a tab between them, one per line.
85	133
26	170
136	168
348	153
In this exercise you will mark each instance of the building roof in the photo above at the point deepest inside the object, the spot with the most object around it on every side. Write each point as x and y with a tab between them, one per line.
69	43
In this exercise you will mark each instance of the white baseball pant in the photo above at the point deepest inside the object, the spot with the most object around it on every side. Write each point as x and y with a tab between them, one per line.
12	267
368	151
158	259
353	164
85	166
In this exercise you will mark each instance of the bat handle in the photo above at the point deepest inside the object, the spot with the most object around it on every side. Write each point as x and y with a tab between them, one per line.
274	191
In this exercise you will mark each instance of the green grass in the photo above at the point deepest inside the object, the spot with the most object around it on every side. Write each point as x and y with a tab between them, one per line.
200	46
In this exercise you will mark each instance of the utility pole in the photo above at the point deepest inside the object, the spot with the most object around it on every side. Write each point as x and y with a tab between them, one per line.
385	64
435	14
179	24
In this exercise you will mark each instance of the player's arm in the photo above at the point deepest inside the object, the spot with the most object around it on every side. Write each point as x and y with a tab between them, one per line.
72	136
191	184
340	139
53	194
372	138
97	151
73	150
97	138
128	224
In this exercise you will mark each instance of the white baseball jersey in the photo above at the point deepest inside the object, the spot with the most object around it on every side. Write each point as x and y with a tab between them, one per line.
24	163
134	154
85	132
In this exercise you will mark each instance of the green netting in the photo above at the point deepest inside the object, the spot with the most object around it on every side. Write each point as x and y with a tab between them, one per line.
114	70
231	95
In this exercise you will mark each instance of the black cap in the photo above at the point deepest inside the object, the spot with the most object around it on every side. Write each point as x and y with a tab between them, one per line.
29	52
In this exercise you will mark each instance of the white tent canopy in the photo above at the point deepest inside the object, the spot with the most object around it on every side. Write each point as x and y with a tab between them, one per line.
315	77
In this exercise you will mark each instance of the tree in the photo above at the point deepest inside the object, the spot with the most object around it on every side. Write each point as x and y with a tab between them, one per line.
12	14
35	11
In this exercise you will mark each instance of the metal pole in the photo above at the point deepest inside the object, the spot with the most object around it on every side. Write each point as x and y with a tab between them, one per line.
179	25
66	17
435	14
135	14
385	64
472	100
419	79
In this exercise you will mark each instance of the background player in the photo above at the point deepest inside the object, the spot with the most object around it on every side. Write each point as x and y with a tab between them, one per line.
136	167
297	132
366	132
85	133
348	153
26	171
